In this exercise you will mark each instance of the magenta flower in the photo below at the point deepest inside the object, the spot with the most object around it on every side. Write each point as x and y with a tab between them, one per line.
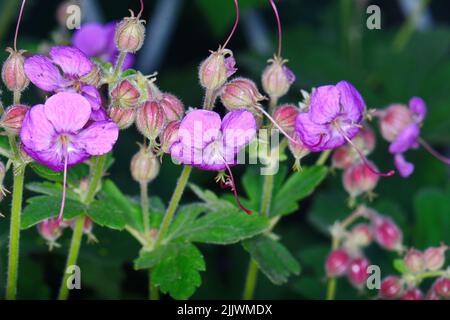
58	134
63	71
209	143
97	40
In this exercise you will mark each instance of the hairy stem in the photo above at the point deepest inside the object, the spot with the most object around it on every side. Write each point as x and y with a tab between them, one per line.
250	282
208	103
145	208
272	105
153	290
16	96
331	288
119	65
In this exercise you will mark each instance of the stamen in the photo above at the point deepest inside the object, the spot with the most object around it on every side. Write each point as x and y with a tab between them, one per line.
362	156
433	152
277	16
232	185
275	123
235	24
63	200
18	24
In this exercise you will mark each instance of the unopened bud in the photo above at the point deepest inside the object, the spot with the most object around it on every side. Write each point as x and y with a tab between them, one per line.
125	94
391	288
277	78
435	257
361	235
172	107
144	166
387	233
414	261
359	179
12	118
240	93
442	287
413	294
150	119
13	73
393	120
124	118
50	230
337	263
93	77
130	34
357	272
364	141
298	150
215	70
285	117
169	136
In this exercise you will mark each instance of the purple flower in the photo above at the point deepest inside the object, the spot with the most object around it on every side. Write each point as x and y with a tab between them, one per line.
63	71
290	76
97	40
230	66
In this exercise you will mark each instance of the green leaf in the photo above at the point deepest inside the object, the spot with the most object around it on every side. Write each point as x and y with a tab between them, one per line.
43	207
105	213
399	265
179	273
184	219
128	72
51	189
148	259
46	173
298	186
272	258
212	201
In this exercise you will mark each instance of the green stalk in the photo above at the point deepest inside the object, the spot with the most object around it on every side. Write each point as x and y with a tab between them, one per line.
119	65
153	290
331	288
250	282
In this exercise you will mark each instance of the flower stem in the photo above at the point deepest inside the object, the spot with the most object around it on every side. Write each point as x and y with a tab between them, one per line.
119	65
430	274
73	255
173	204
331	288
272	105
16	96
208	103
14	236
267	195
250	282
153	290
145	208
323	158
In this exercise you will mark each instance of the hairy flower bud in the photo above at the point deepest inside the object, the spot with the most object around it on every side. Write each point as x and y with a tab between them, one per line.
169	136
125	94
387	233
391	288
393	120
414	261
442	287
337	263
144	166
435	257
216	69
364	141
124	118
413	294
342	158
357	272
240	93
361	235
13	73
12	118
359	179
298	150
285	115
277	78
150	119
50	230
172	107
130	34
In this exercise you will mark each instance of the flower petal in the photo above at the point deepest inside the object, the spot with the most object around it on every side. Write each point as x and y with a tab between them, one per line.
67	111
99	115
199	128
325	104
37	132
71	60
91	39
93	96
404	167
53	157
44	74
99	137
352	103
313	135
419	108
406	139
238	129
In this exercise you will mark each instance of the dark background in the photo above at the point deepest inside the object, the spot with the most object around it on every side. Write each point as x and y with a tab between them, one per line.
325	41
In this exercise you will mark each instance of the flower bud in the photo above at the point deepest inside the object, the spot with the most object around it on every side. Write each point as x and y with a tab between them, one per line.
13	73
442	287
172	107
413	294
150	119
391	288
357	272
144	166
215	70
93	77
124	118
435	257
414	261
277	78
432	295
12	118
359	179
50	230
169	136
361	235
393	120
125	94
342	158
387	233
337	263
240	93
364	141
298	150
130	34
285	116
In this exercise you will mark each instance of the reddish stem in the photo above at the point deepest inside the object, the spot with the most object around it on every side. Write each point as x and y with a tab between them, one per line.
235	24
277	16
142	9
18	24
433	152
233	188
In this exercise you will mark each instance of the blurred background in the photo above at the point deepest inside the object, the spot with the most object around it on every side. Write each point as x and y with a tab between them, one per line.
325	41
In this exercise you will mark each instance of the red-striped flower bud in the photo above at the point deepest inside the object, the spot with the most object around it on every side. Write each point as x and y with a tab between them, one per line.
391	288
285	115
357	272
414	261
125	94
130	34
442	287
124	118
387	233
337	263
12	118
277	78
393	120
216	69
435	257
359	179
172	106
169	136
150	119
413	294
50	230
298	150
144	166
13	73
240	93
361	235
342	158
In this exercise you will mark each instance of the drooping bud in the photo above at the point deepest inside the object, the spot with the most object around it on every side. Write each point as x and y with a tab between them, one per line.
387	233
144	165
285	115
359	179
435	257
215	70
12	118
393	120
391	288
125	94
130	34
298	150
361	235
432	295
357	272
342	157
337	263
150	119
364	141
93	77
172	107
414	261
169	136
13	73
413	294
277	78
50	230
240	93
442	287
124	118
